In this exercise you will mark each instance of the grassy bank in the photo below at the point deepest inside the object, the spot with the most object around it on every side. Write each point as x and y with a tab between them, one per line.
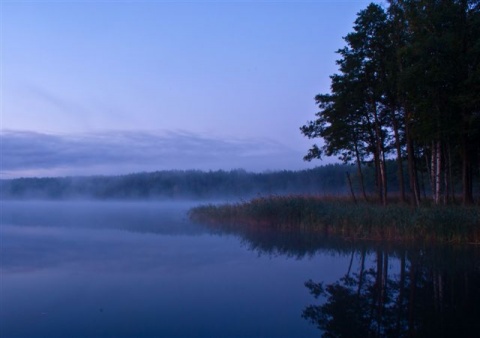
338	216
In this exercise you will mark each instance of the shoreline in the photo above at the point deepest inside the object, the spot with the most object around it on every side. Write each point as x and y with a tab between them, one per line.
337	216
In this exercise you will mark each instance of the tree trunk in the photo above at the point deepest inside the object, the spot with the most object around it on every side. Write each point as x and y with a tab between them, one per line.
384	177
435	171
438	171
380	157
401	181
446	186
451	183
360	173
351	187
422	185
467	179
378	184
429	164
412	171
446	171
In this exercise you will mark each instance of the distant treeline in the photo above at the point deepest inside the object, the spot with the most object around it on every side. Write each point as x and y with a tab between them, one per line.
190	184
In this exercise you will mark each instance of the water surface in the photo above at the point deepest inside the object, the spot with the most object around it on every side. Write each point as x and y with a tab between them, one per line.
124	269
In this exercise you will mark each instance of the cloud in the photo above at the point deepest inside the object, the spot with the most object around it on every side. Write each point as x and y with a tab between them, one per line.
25	153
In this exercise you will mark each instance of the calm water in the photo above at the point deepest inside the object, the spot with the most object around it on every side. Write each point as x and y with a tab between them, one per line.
121	269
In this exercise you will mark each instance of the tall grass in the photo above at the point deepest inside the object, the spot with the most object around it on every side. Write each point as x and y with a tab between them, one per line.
340	216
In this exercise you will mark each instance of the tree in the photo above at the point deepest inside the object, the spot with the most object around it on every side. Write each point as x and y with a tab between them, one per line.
353	119
408	81
440	56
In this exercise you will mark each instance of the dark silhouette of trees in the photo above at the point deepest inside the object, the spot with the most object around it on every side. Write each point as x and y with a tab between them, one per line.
408	84
388	290
178	184
430	292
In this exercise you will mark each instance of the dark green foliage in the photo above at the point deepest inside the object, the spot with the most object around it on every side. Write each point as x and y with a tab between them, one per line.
408	84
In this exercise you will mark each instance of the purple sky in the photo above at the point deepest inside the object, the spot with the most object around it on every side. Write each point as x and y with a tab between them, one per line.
111	87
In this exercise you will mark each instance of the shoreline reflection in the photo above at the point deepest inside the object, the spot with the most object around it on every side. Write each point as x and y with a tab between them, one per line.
388	289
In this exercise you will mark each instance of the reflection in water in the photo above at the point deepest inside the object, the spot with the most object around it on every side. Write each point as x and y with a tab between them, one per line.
431	292
388	290
84	269
291	244
117	269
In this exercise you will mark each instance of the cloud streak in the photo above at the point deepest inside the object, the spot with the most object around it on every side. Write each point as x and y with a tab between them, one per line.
25	153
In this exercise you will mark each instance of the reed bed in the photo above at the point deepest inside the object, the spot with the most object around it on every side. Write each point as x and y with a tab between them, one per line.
340	216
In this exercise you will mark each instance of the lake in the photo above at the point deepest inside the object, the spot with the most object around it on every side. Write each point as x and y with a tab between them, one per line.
142	269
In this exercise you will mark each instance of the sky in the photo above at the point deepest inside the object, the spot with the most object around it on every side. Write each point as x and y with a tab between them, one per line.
114	87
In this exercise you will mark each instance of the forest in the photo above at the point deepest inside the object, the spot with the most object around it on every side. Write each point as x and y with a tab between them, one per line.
179	184
329	180
407	89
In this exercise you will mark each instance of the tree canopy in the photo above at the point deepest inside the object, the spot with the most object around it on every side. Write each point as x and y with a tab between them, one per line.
407	87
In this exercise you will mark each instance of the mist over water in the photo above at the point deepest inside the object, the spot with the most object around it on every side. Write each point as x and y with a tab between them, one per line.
139	269
143	269
179	185
166	217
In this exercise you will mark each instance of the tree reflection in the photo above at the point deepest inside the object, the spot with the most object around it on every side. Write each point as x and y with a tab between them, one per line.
423	292
295	244
388	290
